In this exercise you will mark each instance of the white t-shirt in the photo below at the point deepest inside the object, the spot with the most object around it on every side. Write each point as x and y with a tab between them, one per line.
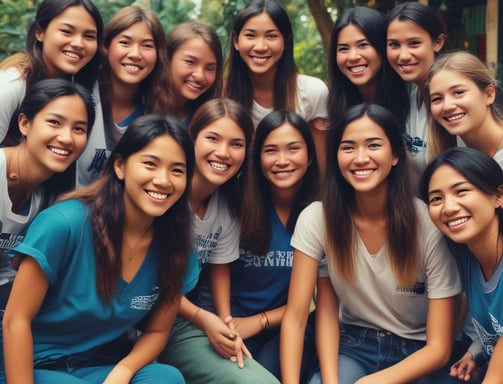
12	225
12	92
416	131
375	299
311	101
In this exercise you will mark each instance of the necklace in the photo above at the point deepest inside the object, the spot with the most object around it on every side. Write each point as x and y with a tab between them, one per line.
133	249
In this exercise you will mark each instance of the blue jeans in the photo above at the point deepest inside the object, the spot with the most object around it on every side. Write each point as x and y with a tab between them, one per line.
363	351
150	374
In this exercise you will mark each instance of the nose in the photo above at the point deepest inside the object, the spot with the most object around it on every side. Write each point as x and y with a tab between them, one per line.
222	150
260	44
198	73
65	135
450	205
353	54
134	51
282	158
448	104
162	178
77	41
361	155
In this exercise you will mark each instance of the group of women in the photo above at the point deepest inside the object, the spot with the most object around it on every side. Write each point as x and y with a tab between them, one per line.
154	231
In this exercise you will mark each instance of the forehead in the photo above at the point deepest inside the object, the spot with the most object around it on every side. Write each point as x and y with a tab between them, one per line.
262	21
224	127
285	133
445	78
350	32
363	127
406	29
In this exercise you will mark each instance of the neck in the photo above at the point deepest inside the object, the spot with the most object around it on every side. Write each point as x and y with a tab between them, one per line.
24	174
123	101
487	249
372	204
282	201
488	138
200	194
368	91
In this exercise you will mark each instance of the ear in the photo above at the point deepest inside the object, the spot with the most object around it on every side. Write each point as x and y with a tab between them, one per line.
394	161
234	38
490	92
438	44
24	124
499	198
39	35
119	165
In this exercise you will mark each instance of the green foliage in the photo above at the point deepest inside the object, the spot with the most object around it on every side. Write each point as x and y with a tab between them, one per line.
15	17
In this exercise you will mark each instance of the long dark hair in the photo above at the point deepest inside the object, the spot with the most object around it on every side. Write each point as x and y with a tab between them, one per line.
151	93
212	111
480	169
46	12
256	228
338	198
41	94
105	197
238	86
391	91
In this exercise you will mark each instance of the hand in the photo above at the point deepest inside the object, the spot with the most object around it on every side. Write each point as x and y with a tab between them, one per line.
247	326
465	368
224	338
120	374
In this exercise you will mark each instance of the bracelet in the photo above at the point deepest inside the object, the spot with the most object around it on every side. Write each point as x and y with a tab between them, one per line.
264	320
194	315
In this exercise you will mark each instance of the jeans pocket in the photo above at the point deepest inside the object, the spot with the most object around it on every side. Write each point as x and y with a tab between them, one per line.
352	336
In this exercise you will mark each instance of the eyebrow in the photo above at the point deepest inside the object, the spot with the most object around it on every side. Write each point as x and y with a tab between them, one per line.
357	41
73	27
151	156
369	139
455	185
126	36
57	115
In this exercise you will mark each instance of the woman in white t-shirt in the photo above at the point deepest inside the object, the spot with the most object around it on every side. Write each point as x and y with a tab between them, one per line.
387	284
262	74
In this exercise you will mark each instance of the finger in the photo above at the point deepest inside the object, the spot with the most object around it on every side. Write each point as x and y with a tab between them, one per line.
246	351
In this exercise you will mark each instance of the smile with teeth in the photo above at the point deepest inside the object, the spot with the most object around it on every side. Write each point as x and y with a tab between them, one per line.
194	85
132	67
72	55
157	195
363	172
456	222
259	60
219	166
284	172
59	151
357	69
455	117
407	67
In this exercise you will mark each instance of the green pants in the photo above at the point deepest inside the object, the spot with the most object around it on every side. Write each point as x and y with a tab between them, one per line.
190	351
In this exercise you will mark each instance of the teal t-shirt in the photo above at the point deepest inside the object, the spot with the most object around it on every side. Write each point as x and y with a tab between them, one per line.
73	318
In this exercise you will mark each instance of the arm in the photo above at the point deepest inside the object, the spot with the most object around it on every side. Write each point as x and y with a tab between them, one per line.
434	355
224	340
220	278
327	330
494	372
253	325
149	345
300	293
319	132
28	292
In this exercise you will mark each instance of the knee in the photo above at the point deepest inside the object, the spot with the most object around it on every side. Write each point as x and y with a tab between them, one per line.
158	373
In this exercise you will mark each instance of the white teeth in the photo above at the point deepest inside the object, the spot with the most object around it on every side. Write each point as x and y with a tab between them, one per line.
132	67
407	67
358	69
259	59
364	172
59	151
72	55
455	117
157	195
219	166
453	223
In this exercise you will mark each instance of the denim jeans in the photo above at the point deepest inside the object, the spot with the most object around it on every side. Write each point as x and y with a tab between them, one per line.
363	351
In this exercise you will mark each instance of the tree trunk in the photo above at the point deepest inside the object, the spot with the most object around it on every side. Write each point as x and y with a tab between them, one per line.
323	21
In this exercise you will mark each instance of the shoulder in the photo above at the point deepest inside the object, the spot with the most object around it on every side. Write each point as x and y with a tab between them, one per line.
311	84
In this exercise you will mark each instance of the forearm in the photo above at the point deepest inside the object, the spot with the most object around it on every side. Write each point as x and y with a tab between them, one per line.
494	372
18	351
291	346
221	289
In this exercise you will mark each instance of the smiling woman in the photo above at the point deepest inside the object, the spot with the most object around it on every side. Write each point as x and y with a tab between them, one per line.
140	204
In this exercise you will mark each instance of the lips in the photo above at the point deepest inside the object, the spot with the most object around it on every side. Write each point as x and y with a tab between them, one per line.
363	172
59	151
407	67
132	67
259	60
72	55
456	222
219	166
455	117
357	69
157	195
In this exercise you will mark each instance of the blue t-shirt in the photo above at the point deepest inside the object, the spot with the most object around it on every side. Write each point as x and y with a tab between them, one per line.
485	298
73	317
260	283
